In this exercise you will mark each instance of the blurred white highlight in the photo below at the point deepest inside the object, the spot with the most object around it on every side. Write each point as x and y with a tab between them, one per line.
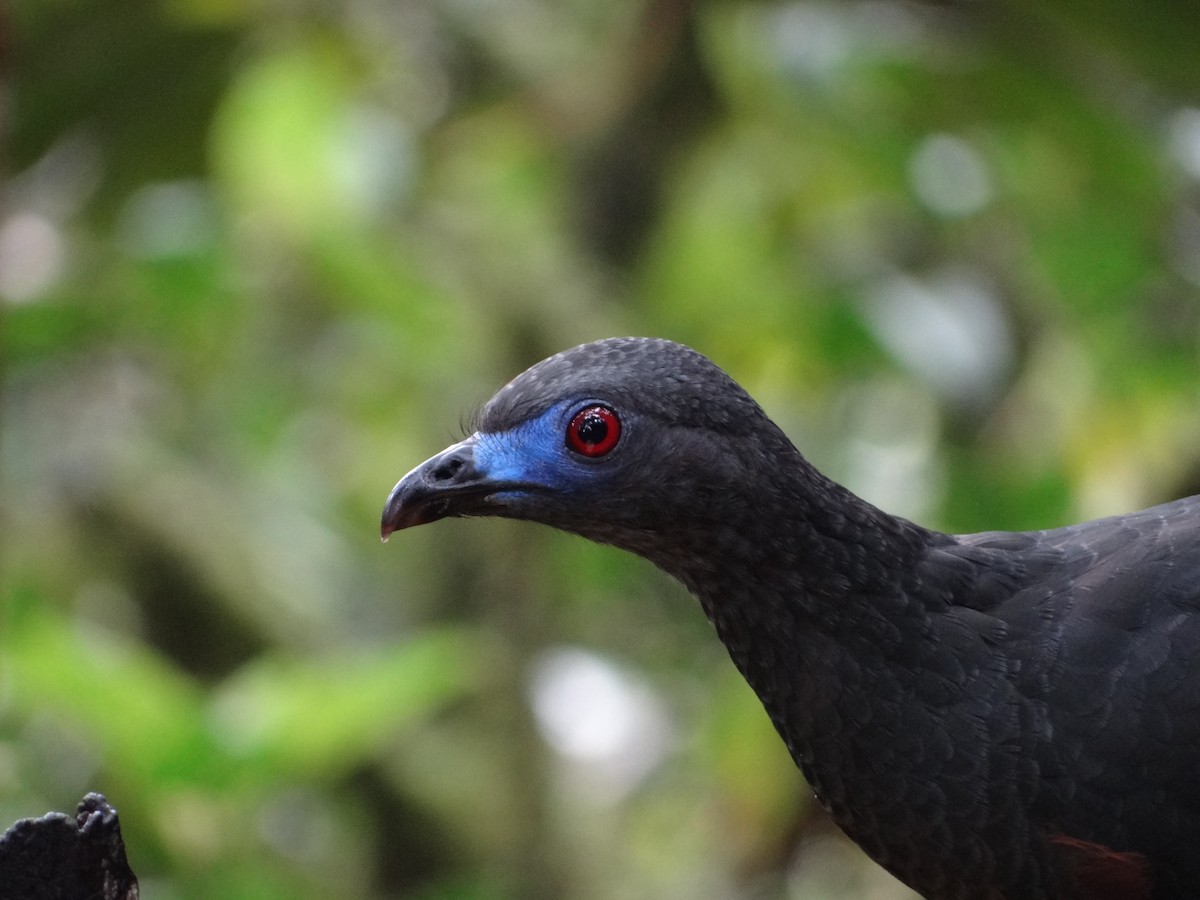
32	256
949	330
949	176
606	722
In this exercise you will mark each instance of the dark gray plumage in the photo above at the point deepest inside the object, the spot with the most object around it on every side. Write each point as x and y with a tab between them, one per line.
993	715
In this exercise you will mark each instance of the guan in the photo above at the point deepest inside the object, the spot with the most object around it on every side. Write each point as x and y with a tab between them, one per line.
994	715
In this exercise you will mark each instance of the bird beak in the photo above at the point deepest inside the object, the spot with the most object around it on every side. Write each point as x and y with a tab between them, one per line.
449	484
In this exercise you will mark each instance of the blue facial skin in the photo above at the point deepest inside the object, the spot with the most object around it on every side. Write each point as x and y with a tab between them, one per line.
535	453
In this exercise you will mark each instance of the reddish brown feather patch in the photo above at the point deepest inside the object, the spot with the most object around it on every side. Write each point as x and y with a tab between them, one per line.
1097	872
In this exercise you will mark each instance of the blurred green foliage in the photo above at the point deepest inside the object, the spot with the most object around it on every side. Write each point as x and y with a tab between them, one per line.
257	260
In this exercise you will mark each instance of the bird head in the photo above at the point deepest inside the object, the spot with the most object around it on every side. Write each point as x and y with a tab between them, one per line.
637	442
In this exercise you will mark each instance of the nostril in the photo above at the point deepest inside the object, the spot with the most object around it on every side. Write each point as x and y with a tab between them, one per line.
447	469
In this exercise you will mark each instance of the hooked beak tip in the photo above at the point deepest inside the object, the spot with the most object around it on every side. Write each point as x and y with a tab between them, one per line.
403	510
428	492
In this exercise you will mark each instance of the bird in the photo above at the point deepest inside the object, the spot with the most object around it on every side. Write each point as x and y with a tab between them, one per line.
993	716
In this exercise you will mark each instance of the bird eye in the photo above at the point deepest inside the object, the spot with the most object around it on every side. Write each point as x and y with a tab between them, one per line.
594	431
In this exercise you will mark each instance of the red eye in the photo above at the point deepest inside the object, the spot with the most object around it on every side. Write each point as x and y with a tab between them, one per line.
594	431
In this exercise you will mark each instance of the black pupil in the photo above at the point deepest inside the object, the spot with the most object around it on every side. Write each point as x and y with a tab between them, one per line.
593	429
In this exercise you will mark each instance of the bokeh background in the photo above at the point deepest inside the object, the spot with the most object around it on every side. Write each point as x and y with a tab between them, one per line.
259	259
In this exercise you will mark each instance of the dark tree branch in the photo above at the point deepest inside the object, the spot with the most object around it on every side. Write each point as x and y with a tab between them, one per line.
57	857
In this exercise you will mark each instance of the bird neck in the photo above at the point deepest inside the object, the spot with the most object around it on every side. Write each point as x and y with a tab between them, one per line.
815	604
808	547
